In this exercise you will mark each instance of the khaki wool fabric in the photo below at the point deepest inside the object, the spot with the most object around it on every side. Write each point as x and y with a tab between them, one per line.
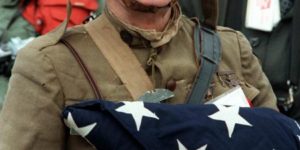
46	78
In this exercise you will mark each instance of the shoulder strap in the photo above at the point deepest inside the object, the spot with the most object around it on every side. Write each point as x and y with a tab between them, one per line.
83	67
210	13
210	56
56	36
120	57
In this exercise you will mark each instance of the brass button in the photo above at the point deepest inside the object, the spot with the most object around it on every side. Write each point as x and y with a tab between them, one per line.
171	85
126	37
209	95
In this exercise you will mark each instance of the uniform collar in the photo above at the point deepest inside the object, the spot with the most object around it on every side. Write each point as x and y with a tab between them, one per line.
144	37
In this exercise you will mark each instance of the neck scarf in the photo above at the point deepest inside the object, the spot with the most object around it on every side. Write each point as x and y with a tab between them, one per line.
156	38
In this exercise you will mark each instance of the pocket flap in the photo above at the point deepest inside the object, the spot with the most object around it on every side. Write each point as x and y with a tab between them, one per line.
250	91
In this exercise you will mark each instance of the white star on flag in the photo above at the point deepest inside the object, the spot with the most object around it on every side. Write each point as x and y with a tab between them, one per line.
182	147
297	125
203	147
83	131
231	117
138	111
299	129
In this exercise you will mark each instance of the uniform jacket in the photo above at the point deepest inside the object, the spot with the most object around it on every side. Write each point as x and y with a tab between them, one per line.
46	78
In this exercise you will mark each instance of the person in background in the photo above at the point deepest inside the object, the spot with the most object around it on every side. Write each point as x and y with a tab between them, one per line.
45	15
12	26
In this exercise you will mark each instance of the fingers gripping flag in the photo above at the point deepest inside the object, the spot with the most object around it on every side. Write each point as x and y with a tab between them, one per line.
139	125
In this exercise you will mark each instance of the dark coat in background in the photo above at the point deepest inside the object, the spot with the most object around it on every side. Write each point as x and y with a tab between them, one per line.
206	10
193	8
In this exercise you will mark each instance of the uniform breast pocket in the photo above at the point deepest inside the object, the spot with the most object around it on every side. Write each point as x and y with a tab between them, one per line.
224	81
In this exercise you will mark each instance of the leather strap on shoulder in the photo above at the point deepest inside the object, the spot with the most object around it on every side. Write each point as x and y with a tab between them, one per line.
208	50
85	70
210	13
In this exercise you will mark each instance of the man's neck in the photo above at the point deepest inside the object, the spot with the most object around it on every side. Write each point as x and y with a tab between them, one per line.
156	21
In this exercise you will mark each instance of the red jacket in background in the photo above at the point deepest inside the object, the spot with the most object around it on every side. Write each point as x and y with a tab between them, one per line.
45	15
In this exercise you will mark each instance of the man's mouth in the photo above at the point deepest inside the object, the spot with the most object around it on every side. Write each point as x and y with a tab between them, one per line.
148	6
155	3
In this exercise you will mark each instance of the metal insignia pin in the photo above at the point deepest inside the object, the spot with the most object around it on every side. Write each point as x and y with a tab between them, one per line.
156	96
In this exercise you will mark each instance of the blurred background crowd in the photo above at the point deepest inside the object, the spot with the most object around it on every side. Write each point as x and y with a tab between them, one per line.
271	26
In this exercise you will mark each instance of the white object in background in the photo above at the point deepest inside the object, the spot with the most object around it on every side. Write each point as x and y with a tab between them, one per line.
262	15
16	43
4	53
233	97
276	13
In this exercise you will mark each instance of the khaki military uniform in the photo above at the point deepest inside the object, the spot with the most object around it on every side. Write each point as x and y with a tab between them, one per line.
46	78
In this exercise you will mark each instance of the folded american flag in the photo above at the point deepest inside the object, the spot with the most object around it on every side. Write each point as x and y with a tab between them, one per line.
151	126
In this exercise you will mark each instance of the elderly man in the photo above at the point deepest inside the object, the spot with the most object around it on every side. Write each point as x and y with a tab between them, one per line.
150	38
